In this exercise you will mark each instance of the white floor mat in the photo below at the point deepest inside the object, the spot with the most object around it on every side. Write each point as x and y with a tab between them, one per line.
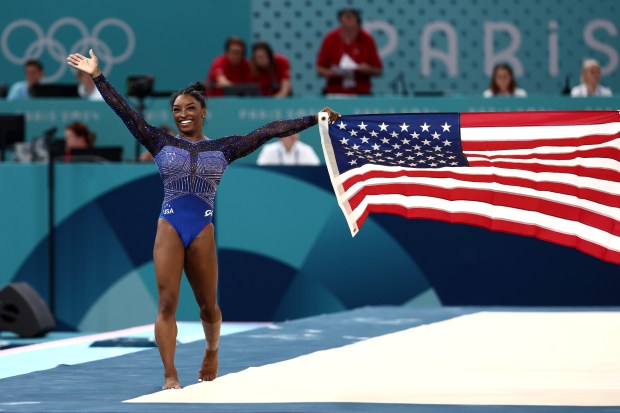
487	358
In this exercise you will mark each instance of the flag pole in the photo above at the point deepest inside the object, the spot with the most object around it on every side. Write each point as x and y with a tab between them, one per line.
332	168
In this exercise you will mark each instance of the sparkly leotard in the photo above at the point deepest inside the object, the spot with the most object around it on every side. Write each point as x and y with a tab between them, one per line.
191	171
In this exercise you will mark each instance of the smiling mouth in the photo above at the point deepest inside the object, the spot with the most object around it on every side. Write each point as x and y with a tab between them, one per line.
185	122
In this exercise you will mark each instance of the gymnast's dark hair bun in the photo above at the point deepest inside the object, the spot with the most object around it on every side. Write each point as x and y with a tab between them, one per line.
198	87
196	90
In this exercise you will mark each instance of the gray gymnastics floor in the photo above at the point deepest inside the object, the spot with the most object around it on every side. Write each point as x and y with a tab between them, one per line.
376	359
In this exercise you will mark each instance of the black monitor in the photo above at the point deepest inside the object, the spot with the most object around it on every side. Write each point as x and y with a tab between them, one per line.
54	90
140	86
12	127
241	89
98	154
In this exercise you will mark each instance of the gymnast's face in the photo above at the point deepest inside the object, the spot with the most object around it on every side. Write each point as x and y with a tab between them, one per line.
188	115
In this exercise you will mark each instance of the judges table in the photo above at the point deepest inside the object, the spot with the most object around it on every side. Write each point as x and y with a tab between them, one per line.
284	248
235	116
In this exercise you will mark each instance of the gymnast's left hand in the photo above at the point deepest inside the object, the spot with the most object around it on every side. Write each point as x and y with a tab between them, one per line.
332	114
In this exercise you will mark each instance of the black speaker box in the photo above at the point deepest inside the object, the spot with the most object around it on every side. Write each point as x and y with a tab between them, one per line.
24	312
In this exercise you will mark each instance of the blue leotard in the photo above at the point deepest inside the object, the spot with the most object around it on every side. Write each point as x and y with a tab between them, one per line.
191	171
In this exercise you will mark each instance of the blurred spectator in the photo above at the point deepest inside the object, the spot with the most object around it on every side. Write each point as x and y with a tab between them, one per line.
78	136
230	68
33	71
288	151
146	155
503	83
271	70
348	57
590	78
86	87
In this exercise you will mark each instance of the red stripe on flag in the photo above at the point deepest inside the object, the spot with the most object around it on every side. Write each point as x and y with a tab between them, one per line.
578	170
497	225
544	118
496	198
609	153
503	145
603	198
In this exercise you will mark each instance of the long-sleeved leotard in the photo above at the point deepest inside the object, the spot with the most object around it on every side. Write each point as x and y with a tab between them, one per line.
191	171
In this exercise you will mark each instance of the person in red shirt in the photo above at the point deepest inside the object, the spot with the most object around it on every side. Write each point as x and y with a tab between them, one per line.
229	68
348	57
271	70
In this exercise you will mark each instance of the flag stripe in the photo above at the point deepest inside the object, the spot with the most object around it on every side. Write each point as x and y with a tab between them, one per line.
583	169
509	214
544	118
605	153
543	150
499	145
496	224
588	213
597	190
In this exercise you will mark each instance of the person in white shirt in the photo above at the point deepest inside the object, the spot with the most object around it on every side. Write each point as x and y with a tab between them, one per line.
590	78
86	87
288	151
503	83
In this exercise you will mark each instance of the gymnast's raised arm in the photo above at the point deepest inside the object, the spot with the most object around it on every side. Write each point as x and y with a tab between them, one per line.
235	147
149	136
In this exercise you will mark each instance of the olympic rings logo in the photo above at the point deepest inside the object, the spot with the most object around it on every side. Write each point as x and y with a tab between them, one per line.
47	42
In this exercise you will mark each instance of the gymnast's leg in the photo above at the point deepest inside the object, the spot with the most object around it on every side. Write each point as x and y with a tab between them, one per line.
168	255
201	271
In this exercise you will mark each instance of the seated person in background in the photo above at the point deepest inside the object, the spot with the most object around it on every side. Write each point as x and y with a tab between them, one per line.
33	71
348	57
229	68
287	151
590	78
271	70
78	136
86	87
503	83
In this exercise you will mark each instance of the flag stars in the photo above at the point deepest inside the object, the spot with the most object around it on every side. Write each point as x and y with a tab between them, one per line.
350	153
342	125
362	126
383	126
447	143
364	139
404	127
432	165
344	141
425	127
405	141
353	132
375	147
415	135
355	146
437	148
394	134
446	127
385	140
435	135
373	134
396	146
353	162
426	142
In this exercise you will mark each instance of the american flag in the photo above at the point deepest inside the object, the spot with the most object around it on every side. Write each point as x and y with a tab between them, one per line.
549	175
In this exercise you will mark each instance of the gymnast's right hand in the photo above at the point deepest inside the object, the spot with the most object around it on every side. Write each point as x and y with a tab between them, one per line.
90	66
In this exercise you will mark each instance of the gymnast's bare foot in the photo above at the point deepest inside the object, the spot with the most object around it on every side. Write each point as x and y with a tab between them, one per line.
208	371
171	381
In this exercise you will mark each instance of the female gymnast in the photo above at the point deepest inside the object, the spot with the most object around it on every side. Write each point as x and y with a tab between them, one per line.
191	166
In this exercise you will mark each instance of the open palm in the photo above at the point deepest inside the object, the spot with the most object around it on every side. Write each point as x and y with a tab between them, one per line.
85	64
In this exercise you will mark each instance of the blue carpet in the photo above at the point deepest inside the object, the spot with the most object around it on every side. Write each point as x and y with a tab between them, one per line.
101	386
